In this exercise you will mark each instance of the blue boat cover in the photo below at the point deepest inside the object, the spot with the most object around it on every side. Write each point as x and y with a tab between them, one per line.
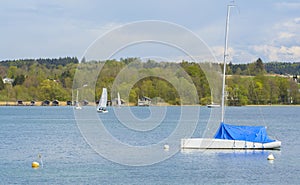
246	133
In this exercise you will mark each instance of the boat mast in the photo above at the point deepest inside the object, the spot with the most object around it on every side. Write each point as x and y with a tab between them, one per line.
225	61
77	95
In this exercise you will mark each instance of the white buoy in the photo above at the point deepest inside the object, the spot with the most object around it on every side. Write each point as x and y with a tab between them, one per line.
271	157
166	147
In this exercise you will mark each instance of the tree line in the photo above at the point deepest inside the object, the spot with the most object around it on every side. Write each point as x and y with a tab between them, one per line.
292	68
172	83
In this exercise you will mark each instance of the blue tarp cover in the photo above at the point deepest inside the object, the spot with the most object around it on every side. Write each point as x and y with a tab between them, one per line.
246	133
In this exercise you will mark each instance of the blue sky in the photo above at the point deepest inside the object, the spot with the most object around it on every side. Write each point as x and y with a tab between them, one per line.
56	28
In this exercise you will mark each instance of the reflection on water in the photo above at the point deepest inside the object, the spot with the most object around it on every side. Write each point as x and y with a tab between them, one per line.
230	153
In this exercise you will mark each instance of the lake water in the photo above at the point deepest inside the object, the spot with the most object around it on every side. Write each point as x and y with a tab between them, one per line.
68	159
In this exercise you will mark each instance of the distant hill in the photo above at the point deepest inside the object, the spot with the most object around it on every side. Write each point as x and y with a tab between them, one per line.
283	68
269	67
48	62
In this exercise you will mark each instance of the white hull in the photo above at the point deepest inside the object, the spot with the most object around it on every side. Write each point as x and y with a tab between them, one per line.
211	143
102	111
143	103
213	106
78	107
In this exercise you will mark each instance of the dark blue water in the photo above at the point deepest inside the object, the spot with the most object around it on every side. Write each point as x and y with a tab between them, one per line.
68	159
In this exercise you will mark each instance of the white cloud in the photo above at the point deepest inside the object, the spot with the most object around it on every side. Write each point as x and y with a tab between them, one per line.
288	5
282	42
281	53
286	35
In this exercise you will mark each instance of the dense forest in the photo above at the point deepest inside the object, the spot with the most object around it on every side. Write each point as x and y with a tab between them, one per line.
171	83
281	68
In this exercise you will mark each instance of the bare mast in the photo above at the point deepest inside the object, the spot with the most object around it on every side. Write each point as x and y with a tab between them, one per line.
225	61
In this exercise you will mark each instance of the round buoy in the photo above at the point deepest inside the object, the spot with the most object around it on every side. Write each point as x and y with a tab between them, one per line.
166	147
271	157
35	164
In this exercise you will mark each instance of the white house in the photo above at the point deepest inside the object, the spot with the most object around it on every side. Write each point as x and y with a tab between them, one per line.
7	80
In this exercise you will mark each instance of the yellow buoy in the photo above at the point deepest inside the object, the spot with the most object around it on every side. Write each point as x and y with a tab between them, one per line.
166	147
35	164
271	157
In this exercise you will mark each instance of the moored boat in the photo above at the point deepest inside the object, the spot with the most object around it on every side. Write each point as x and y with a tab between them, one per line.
232	136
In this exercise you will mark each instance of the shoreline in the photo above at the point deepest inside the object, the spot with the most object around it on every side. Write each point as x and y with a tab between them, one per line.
64	103
272	105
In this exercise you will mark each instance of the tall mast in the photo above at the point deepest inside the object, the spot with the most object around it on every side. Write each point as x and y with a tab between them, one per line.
225	61
77	95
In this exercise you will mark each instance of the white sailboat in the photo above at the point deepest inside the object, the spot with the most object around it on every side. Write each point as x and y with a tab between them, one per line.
231	136
119	100
77	105
213	104
102	102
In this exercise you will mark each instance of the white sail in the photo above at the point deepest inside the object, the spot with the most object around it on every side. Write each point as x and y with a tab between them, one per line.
119	99
77	105
103	101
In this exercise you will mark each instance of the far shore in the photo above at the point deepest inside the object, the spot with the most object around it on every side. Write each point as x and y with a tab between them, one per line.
28	103
64	103
272	105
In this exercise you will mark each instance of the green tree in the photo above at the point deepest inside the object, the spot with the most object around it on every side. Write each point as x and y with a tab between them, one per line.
256	68
52	90
12	71
293	92
1	84
283	85
274	90
19	80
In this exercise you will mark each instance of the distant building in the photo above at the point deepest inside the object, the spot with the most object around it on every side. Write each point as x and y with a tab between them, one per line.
69	103
144	101
7	80
295	78
55	103
20	102
32	103
45	103
85	102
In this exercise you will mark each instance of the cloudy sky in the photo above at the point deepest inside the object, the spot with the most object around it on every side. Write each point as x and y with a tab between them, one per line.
56	28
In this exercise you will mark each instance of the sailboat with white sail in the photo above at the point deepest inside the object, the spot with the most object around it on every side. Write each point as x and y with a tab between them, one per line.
232	136
119	100
213	104
101	108
77	105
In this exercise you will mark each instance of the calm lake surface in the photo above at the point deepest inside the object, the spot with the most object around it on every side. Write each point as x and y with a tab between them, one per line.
68	159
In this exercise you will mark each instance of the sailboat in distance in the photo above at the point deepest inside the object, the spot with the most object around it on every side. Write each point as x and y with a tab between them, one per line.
119	100
77	105
101	108
232	136
213	104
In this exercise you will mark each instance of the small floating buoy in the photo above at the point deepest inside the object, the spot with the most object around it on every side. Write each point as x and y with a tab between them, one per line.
166	147
271	157
35	164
